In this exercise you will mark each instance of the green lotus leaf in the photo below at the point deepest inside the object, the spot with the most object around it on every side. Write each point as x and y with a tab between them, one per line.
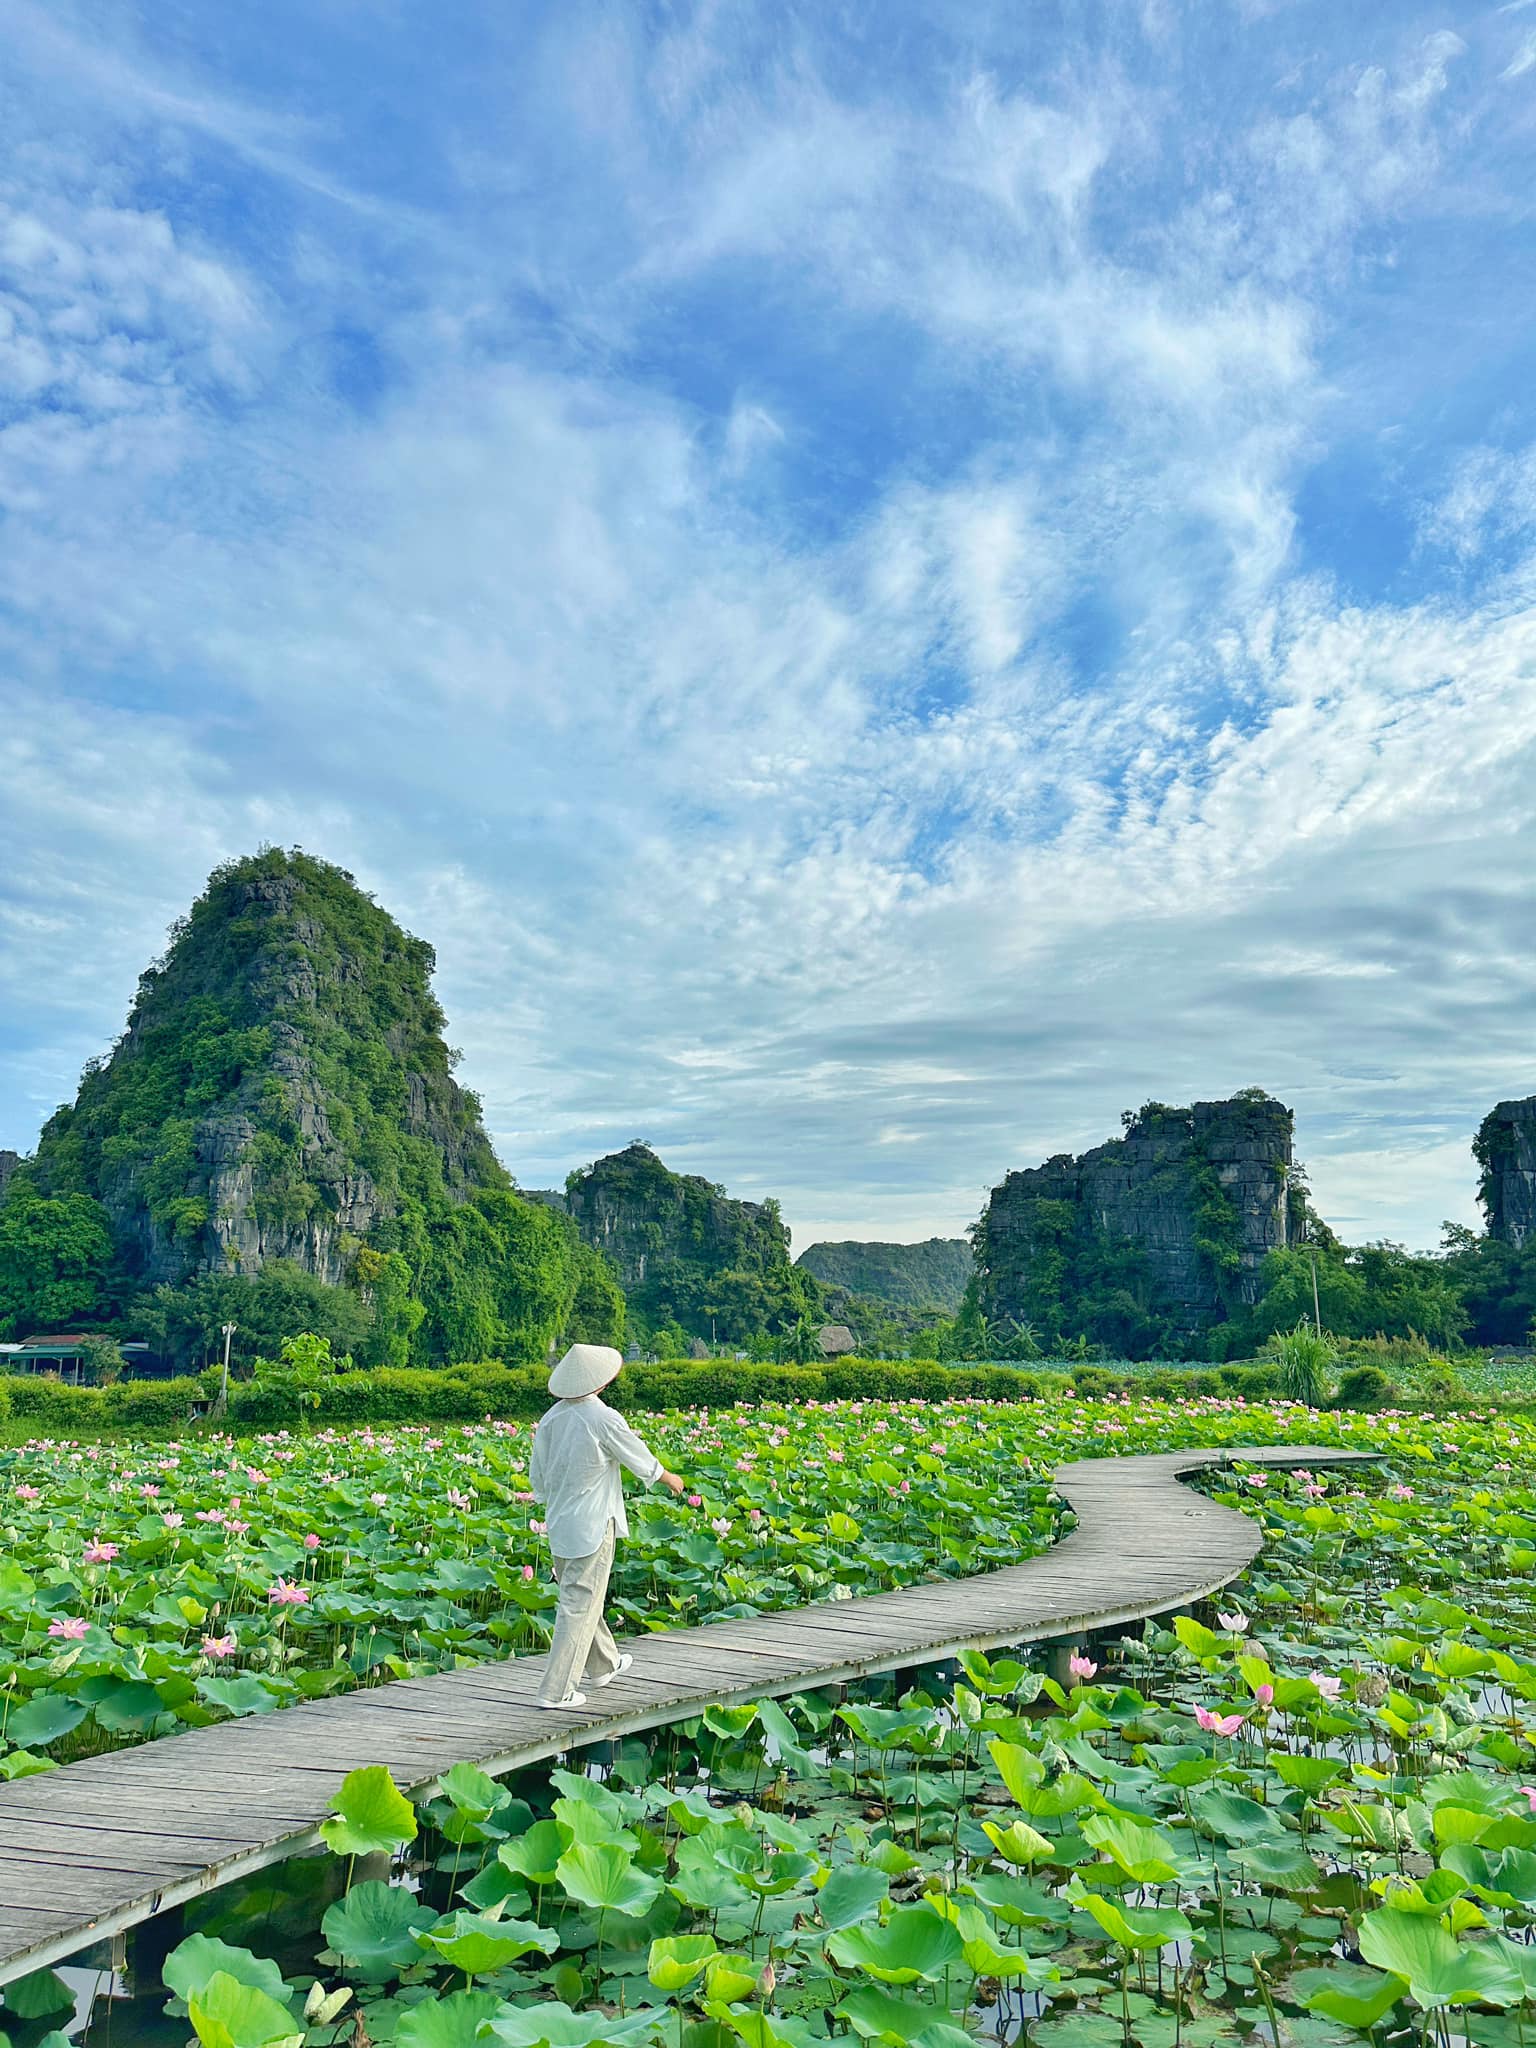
913	1946
18	1589
880	2015
193	1963
1438	1969
1148	1855
1018	1844
478	1943
238	1696
1351	1992
43	1719
1016	1902
851	1894
373	1928
730	1978
535	1853
452	2022
1137	1927
371	1814
228	2014
471	1790
1507	1878
604	1877
676	1960
38	1995
551	2024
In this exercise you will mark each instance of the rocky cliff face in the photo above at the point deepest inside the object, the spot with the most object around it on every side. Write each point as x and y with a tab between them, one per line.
9	1161
1202	1194
282	1075
685	1250
928	1275
1505	1150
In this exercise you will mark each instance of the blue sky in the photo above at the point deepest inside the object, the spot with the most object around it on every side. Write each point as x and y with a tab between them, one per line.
883	582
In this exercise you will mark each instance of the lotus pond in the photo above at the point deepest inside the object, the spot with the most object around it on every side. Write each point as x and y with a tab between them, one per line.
144	1588
1304	1822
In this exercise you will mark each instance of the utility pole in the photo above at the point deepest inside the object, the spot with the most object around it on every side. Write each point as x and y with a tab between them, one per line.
229	1331
1317	1314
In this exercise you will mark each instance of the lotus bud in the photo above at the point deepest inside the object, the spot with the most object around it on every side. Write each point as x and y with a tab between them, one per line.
767	1979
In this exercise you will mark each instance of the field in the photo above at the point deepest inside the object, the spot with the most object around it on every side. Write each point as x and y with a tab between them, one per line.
1303	1821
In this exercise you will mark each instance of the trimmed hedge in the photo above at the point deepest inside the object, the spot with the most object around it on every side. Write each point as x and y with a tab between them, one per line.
56	1409
465	1393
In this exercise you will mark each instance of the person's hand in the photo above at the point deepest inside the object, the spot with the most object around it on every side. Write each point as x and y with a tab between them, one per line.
675	1480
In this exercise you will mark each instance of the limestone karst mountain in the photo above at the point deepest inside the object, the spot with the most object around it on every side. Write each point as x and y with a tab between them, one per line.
283	1095
687	1254
931	1274
1175	1218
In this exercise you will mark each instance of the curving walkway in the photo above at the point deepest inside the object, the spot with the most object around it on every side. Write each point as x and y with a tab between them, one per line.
101	1845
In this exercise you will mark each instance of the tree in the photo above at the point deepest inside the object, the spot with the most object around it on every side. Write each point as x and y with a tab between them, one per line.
56	1260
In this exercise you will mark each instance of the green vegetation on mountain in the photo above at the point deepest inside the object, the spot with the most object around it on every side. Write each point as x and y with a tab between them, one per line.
693	1262
928	1275
282	1103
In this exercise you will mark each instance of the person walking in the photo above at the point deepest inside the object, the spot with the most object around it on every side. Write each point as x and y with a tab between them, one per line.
581	1448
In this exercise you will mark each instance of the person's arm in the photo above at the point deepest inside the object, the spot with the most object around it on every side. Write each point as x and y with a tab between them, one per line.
536	1466
636	1456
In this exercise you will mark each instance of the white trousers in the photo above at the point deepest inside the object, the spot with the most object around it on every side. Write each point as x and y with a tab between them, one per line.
583	1647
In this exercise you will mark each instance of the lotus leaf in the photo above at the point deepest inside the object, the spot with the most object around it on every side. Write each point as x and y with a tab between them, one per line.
915	1945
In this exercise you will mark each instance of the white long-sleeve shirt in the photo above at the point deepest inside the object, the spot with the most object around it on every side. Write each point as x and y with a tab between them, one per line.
574	1469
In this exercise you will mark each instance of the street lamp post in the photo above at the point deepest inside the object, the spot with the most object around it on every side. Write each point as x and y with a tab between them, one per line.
228	1333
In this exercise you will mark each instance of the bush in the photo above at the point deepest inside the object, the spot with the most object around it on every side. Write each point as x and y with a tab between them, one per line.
5	1401
1364	1386
1304	1358
149	1404
52	1407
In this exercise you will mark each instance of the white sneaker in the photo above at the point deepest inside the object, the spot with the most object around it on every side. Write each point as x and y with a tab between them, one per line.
572	1699
625	1663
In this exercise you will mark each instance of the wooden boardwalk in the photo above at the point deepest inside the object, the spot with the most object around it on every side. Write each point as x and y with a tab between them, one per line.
101	1845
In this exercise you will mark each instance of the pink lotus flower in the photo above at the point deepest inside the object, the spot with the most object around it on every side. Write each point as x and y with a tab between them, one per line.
1330	1688
527	1573
71	1628
28	1493
1218	1724
721	1525
695	1500
1530	1793
236	1528
286	1594
380	1500
1235	1624
219	1646
462	1501
173	1521
1402	1493
1081	1667
150	1492
210	1514
311	1541
1265	1695
539	1528
99	1552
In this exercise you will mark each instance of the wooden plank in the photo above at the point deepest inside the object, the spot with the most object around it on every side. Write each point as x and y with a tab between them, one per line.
118	1837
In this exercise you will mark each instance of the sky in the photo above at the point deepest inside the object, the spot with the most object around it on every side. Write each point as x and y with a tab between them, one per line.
883	581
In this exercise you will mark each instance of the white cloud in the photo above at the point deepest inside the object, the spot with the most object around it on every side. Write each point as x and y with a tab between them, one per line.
853	839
